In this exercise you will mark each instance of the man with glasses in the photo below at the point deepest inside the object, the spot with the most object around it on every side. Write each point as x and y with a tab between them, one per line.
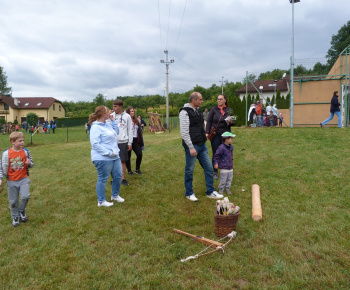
193	141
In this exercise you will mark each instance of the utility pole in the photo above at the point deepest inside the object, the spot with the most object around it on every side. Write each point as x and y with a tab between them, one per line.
292	69
166	62
222	84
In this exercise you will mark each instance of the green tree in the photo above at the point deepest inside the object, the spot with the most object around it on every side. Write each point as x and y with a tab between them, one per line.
4	89
99	100
32	119
251	77
300	70
320	69
272	75
339	42
203	91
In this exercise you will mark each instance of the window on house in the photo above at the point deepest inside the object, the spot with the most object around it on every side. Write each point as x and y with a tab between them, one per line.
59	108
39	104
26	104
53	107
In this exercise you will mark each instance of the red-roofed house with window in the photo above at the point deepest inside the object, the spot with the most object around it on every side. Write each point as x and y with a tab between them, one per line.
12	109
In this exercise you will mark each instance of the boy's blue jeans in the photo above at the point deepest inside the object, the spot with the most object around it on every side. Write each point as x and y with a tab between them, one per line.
331	117
104	170
204	161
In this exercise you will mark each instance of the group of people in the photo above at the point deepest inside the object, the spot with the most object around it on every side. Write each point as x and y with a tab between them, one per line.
47	127
113	135
264	116
194	137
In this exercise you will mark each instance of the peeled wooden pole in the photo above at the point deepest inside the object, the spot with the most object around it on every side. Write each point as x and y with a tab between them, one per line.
256	203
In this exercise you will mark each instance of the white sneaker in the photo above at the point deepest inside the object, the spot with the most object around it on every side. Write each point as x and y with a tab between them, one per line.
192	197
215	195
105	203
118	198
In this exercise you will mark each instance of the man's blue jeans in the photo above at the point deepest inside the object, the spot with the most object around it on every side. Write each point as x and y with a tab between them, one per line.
104	170
331	117
204	161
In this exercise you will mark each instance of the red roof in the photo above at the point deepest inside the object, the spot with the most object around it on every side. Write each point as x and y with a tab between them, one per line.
281	85
28	103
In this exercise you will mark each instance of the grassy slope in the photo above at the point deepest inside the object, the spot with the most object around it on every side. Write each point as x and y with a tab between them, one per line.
68	242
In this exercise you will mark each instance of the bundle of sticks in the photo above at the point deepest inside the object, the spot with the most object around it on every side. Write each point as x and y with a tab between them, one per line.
225	207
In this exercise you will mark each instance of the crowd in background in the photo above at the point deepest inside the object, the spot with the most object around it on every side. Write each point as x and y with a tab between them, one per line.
264	116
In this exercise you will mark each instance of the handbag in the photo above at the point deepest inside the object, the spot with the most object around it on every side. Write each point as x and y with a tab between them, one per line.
212	131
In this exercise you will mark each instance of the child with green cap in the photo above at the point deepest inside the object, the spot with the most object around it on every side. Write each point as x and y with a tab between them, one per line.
223	160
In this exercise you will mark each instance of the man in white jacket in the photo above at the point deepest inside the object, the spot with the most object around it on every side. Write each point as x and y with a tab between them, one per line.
125	136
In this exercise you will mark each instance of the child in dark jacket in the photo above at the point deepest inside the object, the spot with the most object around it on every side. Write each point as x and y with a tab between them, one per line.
223	160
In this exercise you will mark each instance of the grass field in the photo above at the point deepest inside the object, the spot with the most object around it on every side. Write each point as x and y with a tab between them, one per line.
303	241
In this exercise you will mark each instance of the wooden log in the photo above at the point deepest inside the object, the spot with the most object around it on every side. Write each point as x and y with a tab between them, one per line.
202	240
256	203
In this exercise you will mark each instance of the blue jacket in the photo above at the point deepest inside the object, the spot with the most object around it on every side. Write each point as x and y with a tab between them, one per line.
335	104
104	141
224	156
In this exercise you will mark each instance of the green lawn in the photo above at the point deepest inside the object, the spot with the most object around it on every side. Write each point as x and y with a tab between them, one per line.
303	241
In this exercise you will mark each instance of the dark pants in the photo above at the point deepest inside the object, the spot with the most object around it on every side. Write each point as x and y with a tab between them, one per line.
136	147
214	146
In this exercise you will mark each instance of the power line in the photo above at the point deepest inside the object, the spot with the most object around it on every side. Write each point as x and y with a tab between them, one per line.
160	29
178	36
167	37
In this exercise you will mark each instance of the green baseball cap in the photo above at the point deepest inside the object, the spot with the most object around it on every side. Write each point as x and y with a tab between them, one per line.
228	135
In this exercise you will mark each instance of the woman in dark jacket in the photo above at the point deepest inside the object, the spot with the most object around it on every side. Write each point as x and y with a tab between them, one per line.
216	118
335	109
137	143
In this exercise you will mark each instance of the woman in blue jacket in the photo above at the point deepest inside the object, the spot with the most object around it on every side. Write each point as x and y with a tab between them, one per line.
105	154
335	109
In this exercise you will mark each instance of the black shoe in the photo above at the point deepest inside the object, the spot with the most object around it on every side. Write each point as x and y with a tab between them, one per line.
23	216
15	221
124	182
138	171
131	173
321	125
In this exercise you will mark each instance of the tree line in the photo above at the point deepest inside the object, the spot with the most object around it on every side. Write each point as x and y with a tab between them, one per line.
156	103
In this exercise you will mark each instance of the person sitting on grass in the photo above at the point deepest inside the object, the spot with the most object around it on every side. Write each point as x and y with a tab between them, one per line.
223	160
14	165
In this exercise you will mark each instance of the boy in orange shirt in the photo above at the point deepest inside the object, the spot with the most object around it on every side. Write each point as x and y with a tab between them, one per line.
14	165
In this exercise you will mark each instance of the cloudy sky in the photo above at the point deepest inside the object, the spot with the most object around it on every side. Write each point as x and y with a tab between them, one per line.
73	50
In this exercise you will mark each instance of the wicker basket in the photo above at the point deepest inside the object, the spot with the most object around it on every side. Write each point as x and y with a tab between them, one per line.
225	224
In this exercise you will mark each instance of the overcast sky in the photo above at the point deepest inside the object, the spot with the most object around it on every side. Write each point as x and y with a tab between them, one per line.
73	50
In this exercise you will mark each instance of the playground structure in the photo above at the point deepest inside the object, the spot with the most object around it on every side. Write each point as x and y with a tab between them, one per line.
155	121
313	93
